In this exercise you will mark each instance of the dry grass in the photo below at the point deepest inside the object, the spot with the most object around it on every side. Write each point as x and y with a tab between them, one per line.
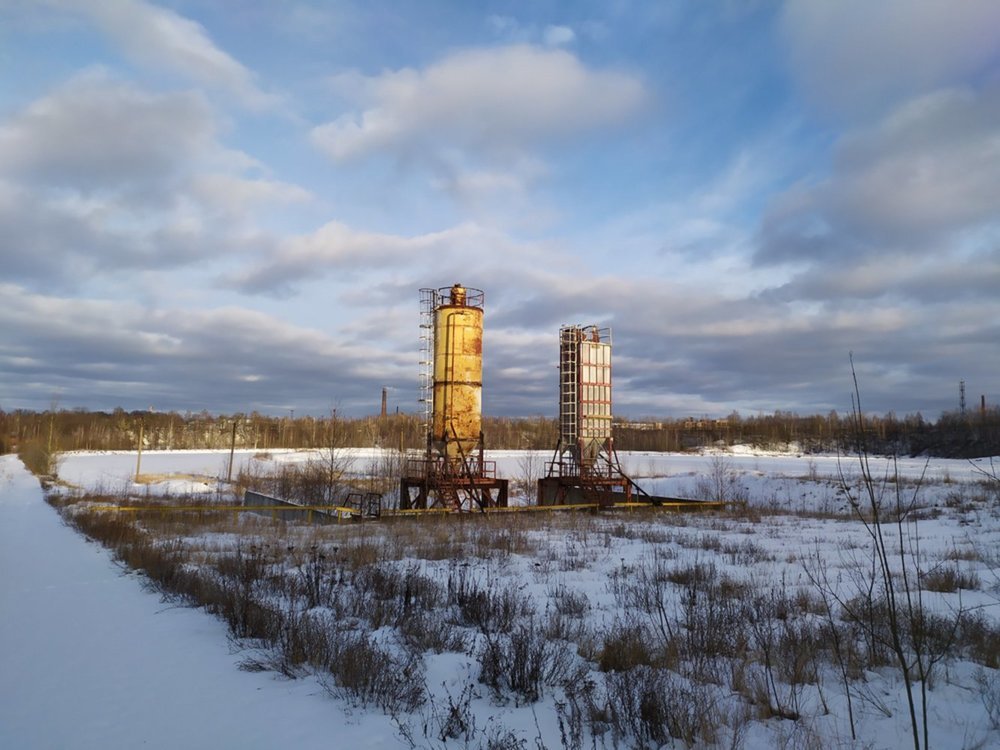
361	604
949	579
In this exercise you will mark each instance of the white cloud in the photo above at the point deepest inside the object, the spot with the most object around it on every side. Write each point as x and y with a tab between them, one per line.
95	131
124	352
482	182
932	166
103	176
503	25
936	282
499	193
484	100
231	194
556	36
336	245
927	173
162	39
854	55
513	31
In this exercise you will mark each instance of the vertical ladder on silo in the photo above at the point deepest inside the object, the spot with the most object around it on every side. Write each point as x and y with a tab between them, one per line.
569	380
428	305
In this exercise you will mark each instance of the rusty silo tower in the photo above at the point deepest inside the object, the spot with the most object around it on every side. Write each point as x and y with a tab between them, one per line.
452	473
585	467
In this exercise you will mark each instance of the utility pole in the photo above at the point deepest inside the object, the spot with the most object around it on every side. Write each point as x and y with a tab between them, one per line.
52	419
232	450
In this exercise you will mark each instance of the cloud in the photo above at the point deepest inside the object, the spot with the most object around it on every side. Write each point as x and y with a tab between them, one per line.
677	345
94	132
161	39
500	192
478	122
338	246
932	166
101	175
915	184
556	36
505	26
232	195
853	56
231	357
43	244
511	30
931	281
483	100
893	253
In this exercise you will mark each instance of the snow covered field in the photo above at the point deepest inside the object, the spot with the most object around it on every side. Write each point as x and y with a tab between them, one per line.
766	476
90	658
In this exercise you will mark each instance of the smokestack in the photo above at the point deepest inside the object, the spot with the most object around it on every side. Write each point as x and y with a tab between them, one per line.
982	403
384	391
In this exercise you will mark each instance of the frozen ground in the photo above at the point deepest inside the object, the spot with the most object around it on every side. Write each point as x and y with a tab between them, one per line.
89	659
764	477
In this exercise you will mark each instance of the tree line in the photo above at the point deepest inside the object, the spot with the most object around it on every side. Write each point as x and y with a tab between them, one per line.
953	434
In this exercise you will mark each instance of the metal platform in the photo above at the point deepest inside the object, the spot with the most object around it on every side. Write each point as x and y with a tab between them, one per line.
478	495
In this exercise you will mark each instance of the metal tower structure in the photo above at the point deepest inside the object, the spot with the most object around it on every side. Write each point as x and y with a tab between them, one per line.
584	467
453	472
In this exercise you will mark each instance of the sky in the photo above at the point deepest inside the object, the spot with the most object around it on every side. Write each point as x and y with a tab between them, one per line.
232	205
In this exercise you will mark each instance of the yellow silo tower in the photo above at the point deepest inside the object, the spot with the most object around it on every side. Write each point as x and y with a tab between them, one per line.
457	423
453	472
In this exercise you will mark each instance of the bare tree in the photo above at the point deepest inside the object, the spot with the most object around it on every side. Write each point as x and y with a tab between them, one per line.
529	470
335	460
887	592
721	483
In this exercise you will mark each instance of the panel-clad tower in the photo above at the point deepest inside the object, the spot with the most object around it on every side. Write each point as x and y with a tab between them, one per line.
585	468
585	393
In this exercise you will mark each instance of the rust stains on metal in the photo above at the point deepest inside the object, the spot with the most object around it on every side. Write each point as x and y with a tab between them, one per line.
458	377
454	473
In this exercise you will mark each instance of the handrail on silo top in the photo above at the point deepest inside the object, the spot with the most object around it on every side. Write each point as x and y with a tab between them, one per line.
458	295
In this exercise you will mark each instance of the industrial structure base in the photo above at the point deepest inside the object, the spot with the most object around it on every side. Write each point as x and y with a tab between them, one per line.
576	490
460	494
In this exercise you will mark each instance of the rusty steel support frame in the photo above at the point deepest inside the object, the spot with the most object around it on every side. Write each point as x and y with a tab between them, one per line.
452	473
602	481
464	484
444	487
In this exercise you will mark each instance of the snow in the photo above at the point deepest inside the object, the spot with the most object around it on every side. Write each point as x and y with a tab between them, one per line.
114	471
765	474
89	658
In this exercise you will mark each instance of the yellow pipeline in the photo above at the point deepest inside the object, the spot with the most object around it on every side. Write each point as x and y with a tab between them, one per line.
338	511
341	510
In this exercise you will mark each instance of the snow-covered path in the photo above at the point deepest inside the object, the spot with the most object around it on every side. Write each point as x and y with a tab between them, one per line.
88	659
